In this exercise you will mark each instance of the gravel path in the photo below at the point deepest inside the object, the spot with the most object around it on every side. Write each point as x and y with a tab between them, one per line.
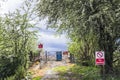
50	74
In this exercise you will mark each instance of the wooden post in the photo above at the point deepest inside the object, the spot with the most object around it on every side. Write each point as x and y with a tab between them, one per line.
46	56
40	58
104	73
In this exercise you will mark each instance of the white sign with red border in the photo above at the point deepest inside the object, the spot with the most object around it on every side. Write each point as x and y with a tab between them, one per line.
100	58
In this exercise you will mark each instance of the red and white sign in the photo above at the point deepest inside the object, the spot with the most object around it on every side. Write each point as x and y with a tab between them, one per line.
65	53
40	45
100	58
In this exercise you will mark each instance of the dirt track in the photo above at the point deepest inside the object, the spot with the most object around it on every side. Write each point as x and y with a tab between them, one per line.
47	70
50	74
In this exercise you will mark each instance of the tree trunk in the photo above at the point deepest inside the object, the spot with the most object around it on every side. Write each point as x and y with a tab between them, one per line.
106	44
109	57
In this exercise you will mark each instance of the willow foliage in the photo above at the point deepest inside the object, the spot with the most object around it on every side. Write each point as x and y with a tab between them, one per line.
79	17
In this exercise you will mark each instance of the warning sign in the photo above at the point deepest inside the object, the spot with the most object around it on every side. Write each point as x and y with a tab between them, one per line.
100	58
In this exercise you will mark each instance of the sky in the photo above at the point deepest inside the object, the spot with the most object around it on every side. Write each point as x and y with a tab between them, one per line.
48	37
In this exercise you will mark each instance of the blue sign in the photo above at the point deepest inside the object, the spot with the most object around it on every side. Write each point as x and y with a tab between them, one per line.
59	55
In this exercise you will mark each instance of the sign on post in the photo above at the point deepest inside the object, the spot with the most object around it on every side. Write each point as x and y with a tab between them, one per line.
40	45
100	58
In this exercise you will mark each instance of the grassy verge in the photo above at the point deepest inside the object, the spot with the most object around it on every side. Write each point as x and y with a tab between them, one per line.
37	78
78	72
61	69
86	73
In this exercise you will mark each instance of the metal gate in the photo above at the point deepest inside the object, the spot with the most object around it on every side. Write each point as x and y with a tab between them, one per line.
54	55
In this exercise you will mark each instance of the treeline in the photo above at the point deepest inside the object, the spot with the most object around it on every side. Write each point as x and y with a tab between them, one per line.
17	39
91	25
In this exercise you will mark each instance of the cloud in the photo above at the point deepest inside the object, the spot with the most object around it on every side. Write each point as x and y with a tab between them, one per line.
52	42
11	5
